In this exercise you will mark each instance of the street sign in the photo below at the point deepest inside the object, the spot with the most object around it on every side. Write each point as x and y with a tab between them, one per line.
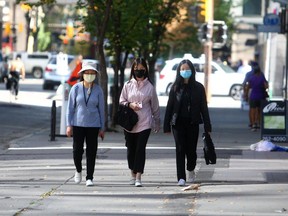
268	28
271	19
281	1
274	121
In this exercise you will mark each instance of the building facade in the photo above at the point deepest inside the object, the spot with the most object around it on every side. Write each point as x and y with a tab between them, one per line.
268	48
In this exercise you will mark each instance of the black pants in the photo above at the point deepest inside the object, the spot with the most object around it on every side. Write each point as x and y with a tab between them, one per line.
15	81
136	149
186	138
90	134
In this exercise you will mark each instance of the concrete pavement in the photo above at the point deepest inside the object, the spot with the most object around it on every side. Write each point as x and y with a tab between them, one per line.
36	175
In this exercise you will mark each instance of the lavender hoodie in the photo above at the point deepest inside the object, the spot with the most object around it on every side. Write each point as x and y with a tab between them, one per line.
145	93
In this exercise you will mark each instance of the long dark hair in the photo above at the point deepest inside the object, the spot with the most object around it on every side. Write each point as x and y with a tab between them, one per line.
141	61
255	67
179	81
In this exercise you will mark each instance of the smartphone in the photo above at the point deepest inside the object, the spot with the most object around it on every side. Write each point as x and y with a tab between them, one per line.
139	105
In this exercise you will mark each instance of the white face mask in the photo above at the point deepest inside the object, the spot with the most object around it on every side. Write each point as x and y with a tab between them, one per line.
89	77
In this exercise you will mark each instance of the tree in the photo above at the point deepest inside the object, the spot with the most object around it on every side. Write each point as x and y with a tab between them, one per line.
140	33
122	37
182	38
95	21
161	14
43	38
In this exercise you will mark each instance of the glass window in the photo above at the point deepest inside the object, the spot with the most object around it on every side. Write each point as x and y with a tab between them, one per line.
33	56
199	68
175	67
252	7
226	68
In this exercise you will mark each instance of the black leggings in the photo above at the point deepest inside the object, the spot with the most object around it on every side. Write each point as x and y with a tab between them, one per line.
186	138
90	134
136	149
15	81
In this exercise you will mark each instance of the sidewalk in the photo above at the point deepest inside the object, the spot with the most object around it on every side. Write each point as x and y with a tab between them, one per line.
36	176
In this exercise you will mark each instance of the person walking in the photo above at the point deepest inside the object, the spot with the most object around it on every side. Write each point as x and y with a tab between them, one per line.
85	120
140	95
256	85
17	71
75	67
186	109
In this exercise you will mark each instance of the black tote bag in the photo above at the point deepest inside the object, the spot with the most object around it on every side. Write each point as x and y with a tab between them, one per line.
209	149
126	117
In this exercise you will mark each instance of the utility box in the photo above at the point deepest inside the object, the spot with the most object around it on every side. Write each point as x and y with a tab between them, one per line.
274	126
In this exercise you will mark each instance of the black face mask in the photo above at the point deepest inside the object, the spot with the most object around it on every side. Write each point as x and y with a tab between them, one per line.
139	73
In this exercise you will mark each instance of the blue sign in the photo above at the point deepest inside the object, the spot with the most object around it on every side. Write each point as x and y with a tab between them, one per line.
271	20
268	28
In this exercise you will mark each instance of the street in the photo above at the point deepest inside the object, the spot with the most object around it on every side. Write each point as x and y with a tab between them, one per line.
32	111
36	174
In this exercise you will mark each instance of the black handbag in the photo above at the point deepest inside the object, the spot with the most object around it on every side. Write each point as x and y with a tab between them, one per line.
209	149
126	117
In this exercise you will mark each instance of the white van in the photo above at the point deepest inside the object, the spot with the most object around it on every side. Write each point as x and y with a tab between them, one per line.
223	80
34	63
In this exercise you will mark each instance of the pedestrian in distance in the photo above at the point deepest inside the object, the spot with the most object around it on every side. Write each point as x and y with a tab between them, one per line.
256	85
247	91
186	109
75	67
17	71
245	67
140	95
85	120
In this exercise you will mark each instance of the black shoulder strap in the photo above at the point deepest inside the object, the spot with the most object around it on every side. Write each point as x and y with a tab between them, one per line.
76	92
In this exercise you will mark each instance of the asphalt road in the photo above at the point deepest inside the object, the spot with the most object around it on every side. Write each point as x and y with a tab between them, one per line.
36	175
31	112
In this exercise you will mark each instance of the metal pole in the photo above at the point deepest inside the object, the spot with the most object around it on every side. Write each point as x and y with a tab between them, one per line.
209	17
53	121
1	25
286	78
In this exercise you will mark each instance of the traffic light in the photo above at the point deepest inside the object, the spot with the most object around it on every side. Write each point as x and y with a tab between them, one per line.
14	39
202	10
194	13
283	21
203	33
7	29
202	5
70	31
219	34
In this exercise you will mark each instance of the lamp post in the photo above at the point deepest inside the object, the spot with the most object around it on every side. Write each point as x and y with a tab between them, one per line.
2	4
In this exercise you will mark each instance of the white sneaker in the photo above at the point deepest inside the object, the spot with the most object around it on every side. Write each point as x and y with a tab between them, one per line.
191	176
181	182
132	181
89	183
138	183
78	177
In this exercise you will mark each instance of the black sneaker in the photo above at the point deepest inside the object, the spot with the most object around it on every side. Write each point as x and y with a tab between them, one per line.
254	128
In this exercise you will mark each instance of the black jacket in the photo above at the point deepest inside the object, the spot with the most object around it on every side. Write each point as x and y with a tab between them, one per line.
199	109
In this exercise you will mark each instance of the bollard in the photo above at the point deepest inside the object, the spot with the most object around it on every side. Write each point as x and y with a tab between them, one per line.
65	95
53	121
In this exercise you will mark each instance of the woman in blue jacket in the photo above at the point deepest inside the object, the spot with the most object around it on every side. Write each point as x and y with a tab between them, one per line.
85	120
186	109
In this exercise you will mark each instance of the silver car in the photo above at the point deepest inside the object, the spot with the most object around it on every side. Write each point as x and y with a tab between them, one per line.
54	75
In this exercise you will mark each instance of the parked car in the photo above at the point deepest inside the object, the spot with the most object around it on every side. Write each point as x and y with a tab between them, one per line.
223	80
54	76
3	68
34	63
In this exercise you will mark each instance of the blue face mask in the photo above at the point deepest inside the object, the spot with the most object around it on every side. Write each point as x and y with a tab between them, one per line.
185	74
